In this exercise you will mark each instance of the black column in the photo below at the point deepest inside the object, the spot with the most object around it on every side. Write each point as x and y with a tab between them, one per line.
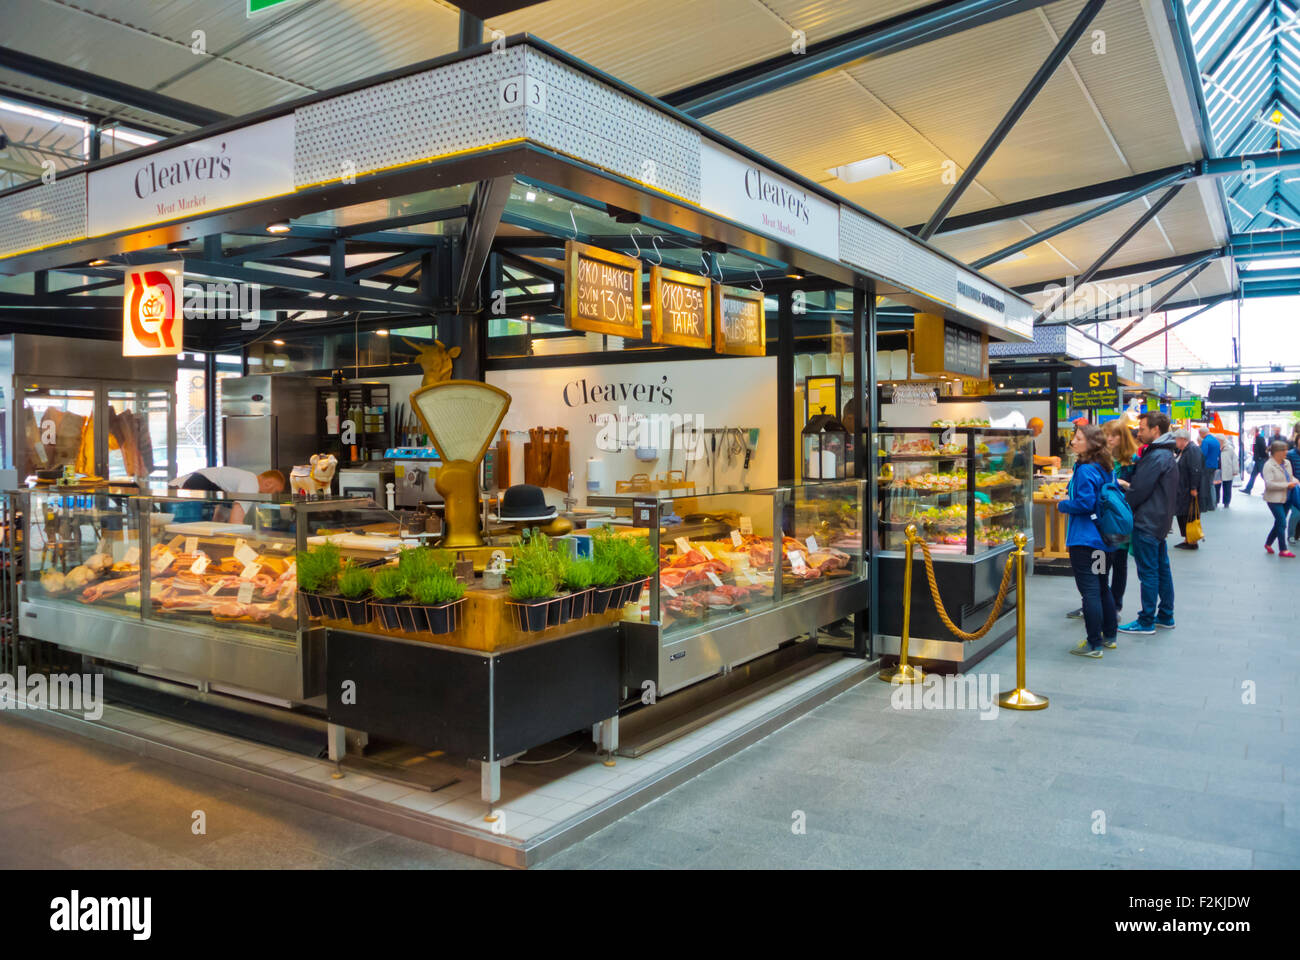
1053	399
210	406
866	413
787	441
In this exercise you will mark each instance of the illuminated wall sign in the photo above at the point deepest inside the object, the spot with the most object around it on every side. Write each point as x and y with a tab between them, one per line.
739	326
752	195
602	291
153	318
681	308
226	170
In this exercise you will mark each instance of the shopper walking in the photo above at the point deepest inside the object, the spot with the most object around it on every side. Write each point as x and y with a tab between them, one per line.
1089	554
1211	473
1152	493
1189	484
1279	481
1293	495
1227	466
1123	451
1259	453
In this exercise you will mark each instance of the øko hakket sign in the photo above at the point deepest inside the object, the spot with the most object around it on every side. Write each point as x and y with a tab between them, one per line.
221	171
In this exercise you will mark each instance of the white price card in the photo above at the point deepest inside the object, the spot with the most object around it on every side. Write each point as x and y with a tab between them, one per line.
244	553
245	593
249	571
292	569
811	543
132	555
747	526
216	588
165	560
200	564
191	545
736	540
669	590
683	545
175	545
705	550
797	562
713	578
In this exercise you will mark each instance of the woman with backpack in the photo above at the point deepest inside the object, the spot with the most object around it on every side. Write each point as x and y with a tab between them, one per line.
1123	450
1089	553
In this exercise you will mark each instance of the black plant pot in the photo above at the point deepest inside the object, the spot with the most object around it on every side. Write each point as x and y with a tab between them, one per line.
411	618
333	606
553	612
600	597
388	614
359	611
313	604
444	617
566	608
530	615
579	601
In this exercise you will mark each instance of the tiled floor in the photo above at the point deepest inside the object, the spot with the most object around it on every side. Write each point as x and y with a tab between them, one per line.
1146	758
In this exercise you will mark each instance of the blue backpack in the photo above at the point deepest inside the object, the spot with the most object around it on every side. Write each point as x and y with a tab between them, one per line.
1114	517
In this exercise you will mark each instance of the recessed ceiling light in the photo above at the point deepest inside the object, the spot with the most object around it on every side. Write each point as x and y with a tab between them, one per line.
866	169
278	343
278	226
381	333
98	263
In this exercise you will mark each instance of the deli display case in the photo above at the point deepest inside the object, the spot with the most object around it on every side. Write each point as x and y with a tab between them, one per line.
968	490
164	584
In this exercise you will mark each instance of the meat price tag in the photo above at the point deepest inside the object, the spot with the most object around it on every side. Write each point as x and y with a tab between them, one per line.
683	545
705	550
132	555
669	590
735	539
797	562
176	542
165	560
747	526
245	593
200	564
191	545
812	544
292	569
103	546
245	554
249	571
713	578
216	588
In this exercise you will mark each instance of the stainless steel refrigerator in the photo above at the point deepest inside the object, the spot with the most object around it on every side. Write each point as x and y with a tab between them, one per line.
269	421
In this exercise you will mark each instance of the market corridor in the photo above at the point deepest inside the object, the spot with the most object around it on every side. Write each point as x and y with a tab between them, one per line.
1147	758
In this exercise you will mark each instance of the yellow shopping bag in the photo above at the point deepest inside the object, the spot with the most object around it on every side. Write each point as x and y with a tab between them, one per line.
1194	534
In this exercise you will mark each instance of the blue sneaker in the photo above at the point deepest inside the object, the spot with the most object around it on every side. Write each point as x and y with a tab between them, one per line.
1163	625
1136	627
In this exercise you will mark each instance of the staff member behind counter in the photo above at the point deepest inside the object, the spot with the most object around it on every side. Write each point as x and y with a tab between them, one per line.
232	480
1035	426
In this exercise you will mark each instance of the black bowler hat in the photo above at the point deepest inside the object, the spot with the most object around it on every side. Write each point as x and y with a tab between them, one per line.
524	502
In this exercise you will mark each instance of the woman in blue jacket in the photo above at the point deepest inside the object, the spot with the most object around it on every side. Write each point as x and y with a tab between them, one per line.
1089	554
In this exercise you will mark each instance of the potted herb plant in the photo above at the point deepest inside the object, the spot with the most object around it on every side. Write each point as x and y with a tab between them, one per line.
439	596
576	578
354	587
416	564
388	591
530	598
318	572
604	584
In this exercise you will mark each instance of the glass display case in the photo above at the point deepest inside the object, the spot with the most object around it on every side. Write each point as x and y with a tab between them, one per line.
741	573
164	582
968	489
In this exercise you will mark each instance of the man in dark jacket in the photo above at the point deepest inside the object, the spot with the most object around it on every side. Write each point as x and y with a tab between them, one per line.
1258	453
1152	493
1190	467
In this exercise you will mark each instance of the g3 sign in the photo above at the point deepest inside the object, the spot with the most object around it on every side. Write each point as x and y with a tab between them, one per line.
602	291
153	318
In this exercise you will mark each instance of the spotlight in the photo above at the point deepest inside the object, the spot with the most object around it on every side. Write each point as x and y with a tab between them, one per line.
278	226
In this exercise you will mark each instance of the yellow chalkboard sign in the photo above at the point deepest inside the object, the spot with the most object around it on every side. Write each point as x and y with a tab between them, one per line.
681	308
602	291
739	323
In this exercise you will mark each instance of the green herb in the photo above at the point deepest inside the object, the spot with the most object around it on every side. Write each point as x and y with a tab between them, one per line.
389	582
577	574
318	568
630	556
530	585
603	572
354	581
437	587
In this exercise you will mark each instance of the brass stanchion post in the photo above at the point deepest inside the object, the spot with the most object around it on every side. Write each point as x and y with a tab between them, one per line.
1020	698
905	672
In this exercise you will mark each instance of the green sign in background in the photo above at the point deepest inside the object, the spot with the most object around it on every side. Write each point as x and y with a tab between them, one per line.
1185	409
258	6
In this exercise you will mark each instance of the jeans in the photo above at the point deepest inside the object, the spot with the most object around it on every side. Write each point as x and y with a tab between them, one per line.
1118	563
1098	604
1151	554
1254	472
1226	489
1278	532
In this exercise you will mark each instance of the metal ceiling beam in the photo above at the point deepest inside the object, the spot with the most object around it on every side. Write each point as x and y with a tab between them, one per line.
1100	313
878	39
272	279
1258	276
1169	326
1274	243
999	134
1069	223
1155	307
487	206
1125	270
1147	216
123	93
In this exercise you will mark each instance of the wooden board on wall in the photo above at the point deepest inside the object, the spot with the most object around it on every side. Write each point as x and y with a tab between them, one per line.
681	308
739	322
602	291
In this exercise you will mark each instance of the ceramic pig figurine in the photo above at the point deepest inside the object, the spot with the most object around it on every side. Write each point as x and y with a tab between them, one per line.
314	479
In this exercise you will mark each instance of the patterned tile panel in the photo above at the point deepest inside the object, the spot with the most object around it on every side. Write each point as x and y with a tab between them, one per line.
43	215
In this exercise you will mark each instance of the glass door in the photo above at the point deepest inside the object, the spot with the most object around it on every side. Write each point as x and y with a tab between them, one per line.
141	432
56	428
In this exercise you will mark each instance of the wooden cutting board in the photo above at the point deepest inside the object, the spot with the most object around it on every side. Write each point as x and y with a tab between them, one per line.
559	472
503	460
